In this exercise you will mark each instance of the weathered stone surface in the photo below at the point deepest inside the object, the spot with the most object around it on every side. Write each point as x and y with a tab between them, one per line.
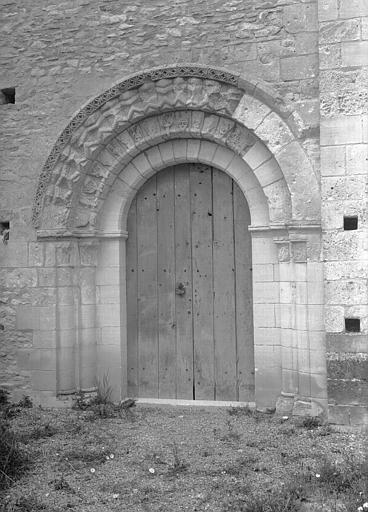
346	392
36	254
336	270
47	277
347	366
334	213
13	254
345	189
353	8
297	68
356	159
300	18
364	28
333	160
339	414
335	32
284	405
251	112
359	415
18	278
327	10
347	342
334	319
330	56
302	408
355	53
299	172
344	246
344	81
274	132
298	44
342	130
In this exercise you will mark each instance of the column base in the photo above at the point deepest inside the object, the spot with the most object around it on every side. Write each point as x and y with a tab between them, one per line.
290	405
285	404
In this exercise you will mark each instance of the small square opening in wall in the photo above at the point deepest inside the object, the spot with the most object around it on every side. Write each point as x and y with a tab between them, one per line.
7	95
4	231
352	324
350	223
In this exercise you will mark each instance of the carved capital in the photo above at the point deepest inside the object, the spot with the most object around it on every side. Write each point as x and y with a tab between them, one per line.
283	250
299	251
88	251
160	89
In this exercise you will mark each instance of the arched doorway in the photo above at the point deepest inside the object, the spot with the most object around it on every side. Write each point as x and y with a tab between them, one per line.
189	288
152	120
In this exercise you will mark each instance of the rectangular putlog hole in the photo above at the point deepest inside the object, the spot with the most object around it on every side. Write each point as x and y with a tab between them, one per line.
352	324
350	223
4	231
7	95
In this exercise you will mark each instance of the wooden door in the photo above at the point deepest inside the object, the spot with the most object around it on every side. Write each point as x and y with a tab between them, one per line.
189	288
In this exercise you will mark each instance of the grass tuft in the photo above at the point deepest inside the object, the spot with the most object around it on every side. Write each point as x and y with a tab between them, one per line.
28	503
287	499
179	465
100	402
13	460
242	411
311	422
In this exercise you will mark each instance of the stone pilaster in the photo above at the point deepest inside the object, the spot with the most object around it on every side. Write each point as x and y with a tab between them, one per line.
111	313
67	307
267	350
287	324
87	327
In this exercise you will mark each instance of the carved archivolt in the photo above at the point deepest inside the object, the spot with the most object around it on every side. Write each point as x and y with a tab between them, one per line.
157	90
175	102
83	187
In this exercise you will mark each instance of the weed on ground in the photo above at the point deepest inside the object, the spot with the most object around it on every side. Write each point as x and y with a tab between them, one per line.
182	459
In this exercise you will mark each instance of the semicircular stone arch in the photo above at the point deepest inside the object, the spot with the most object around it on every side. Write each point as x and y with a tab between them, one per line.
173	152
230	142
176	102
151	121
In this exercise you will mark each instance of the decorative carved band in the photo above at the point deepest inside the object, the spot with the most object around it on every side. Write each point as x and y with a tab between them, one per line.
291	250
299	251
283	252
80	182
133	82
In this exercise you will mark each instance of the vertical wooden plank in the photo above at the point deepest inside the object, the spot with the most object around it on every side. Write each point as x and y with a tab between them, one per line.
183	303
147	290
224	287
201	207
132	298
244	294
166	283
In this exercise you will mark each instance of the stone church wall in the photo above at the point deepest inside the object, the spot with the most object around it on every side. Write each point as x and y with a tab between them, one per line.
313	56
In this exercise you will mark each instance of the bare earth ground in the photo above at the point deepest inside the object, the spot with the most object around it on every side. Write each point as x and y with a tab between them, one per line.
176	459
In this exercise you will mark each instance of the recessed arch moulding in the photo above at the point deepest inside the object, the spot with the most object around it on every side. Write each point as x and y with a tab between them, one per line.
154	120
